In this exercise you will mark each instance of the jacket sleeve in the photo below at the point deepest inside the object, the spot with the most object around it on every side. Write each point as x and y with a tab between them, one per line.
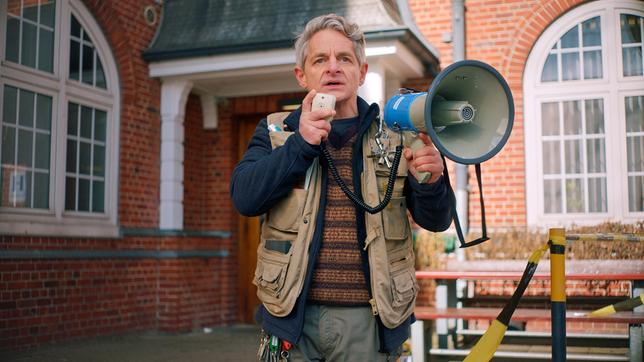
430	205
266	175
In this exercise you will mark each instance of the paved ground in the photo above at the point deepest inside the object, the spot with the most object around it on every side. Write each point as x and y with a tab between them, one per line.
237	343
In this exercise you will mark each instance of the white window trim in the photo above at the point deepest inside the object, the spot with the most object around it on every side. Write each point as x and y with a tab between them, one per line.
56	221
535	92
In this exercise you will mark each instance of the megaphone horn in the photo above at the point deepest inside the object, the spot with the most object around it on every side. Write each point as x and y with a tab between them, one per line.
468	112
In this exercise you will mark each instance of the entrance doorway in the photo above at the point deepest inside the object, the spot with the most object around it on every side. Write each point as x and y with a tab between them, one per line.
248	236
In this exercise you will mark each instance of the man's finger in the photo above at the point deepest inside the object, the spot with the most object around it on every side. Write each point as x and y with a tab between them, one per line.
426	139
307	102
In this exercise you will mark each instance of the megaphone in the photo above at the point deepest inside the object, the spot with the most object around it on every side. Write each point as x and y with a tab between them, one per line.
468	113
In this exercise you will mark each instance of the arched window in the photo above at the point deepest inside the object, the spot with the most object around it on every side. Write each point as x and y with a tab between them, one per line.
59	101
584	117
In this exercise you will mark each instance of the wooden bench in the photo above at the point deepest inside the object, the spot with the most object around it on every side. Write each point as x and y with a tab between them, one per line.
622	270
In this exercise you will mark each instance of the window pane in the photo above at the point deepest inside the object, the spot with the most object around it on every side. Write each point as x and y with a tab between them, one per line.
570	39
47	12
630	26
100	75
570	66
635	193
100	125
597	195
594	116
70	193
43	112
572	117
634	114
42	151
591	31
573	156
595	154
551	159
593	64
552	196
632	61
12	39
574	196
550	118
98	196
75	28
72	119
88	65
28	49
26	115
30	10
17	183
99	161
9	105
71	156
25	148
86	122
550	69
74	60
83	195
635	153
46	51
84	159
41	190
8	145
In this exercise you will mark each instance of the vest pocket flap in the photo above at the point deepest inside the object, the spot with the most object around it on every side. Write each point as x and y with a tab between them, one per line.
403	283
279	138
287	214
403	289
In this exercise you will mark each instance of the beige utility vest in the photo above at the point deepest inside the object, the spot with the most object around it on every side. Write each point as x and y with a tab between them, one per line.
279	275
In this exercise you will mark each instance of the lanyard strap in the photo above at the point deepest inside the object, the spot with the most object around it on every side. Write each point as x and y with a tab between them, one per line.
457	223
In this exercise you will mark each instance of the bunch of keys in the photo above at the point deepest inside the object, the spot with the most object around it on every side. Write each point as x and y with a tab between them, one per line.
381	151
272	349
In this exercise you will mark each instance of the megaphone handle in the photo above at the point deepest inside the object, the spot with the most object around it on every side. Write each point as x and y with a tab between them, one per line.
417	144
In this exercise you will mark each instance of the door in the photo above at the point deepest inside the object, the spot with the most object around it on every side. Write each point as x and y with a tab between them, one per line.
248	236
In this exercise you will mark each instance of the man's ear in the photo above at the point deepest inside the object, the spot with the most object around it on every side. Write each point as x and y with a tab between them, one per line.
363	72
300	76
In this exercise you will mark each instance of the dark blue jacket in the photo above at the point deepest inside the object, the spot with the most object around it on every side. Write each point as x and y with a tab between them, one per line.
264	176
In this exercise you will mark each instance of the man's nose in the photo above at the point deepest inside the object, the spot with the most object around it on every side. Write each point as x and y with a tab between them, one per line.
334	66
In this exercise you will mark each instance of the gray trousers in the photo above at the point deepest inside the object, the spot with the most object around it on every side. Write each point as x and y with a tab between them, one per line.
337	334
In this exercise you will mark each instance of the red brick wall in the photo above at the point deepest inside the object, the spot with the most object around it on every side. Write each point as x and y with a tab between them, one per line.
53	300
500	33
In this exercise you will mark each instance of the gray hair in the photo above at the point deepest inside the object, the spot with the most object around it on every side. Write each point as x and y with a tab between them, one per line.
330	21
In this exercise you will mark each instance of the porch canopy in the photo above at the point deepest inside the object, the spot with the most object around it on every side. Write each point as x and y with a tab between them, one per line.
226	48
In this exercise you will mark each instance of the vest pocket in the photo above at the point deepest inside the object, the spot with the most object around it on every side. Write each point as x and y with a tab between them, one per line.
403	280
393	217
270	273
290	211
403	289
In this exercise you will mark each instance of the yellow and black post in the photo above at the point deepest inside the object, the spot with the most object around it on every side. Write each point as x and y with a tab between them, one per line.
557	240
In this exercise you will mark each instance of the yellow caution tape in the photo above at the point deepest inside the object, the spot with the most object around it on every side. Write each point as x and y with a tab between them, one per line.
487	345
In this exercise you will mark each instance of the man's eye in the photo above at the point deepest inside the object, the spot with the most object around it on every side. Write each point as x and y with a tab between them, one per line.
345	59
318	61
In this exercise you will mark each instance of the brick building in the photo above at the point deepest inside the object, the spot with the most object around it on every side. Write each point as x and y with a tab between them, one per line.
122	121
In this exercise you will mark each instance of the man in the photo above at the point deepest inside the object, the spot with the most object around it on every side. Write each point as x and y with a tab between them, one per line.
335	282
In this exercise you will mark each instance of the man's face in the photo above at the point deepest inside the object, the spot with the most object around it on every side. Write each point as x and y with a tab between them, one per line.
331	66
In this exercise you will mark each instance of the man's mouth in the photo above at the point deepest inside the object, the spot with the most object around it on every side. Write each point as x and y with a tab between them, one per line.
333	83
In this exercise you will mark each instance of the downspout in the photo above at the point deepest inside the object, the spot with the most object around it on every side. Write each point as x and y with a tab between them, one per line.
462	174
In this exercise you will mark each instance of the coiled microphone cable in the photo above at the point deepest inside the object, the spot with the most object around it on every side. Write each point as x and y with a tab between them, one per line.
357	200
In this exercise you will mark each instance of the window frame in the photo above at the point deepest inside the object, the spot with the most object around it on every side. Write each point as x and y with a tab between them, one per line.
611	88
56	221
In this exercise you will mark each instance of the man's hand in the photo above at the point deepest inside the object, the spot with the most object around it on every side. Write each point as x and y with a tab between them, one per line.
425	159
313	126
